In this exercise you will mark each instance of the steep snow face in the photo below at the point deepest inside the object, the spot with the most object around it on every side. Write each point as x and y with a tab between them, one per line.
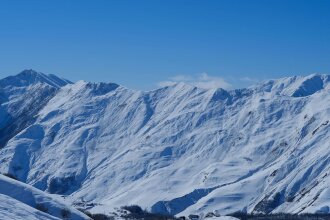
181	149
21	98
21	201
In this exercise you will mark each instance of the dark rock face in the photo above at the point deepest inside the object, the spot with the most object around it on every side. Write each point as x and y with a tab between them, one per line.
268	204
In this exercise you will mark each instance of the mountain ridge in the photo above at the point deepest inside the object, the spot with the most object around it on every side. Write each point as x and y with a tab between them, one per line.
29	76
236	150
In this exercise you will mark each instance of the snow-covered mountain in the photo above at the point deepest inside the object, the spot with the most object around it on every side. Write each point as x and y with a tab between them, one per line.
178	149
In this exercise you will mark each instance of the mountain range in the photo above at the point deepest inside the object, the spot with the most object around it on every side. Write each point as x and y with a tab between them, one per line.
175	150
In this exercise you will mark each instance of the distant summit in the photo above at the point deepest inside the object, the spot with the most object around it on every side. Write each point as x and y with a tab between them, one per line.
295	86
29	77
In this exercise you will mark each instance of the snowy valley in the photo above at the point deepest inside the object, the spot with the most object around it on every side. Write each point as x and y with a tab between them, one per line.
177	150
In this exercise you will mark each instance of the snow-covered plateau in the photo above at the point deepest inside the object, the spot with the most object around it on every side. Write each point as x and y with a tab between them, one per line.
176	150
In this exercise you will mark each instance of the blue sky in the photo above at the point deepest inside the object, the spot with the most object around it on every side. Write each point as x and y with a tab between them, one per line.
146	43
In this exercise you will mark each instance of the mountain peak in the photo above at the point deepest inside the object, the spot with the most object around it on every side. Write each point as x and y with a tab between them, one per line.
295	86
29	76
310	84
29	72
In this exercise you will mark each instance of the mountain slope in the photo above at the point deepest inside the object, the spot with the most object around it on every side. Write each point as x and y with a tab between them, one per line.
180	149
21	201
13	209
21	97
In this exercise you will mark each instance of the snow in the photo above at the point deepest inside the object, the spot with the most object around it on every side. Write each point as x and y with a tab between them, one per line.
28	199
179	149
28	77
13	209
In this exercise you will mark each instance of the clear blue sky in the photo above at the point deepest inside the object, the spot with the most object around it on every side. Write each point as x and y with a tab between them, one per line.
141	43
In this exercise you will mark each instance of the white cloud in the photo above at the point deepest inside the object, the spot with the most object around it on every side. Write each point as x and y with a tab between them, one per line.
202	80
249	80
181	78
166	83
